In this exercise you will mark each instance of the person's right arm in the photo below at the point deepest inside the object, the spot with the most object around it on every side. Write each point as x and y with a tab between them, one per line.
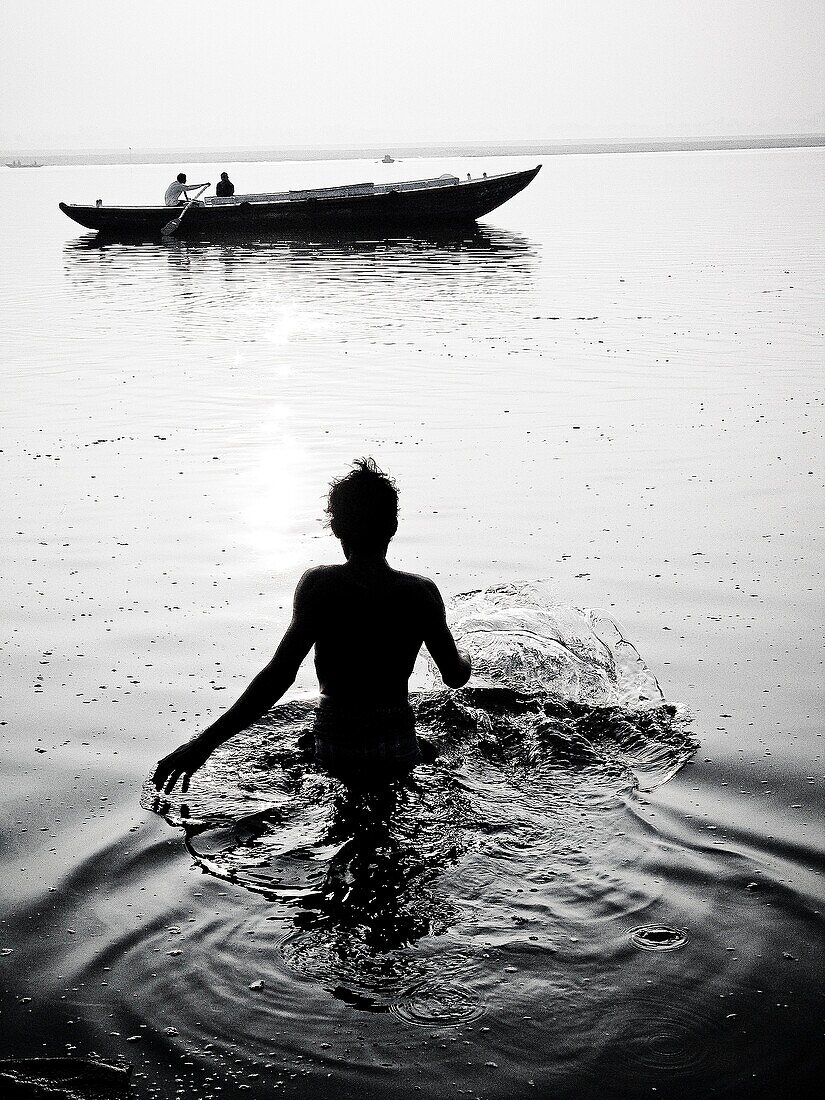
454	665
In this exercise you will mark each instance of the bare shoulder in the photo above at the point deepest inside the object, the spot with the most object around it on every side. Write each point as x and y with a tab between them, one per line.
319	573
317	579
423	587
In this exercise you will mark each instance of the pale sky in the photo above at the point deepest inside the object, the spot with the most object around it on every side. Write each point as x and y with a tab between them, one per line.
109	74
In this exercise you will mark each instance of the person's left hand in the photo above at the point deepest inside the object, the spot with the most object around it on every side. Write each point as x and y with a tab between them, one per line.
183	762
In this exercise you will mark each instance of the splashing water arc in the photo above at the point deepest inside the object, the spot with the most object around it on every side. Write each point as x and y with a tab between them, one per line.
518	639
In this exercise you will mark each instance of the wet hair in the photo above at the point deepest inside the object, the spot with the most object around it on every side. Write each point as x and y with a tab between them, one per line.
363	507
181	177
224	176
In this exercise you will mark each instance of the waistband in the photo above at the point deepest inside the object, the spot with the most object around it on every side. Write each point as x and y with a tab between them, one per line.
361	715
347	737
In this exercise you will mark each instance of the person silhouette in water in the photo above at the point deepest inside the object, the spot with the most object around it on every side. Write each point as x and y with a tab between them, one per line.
367	622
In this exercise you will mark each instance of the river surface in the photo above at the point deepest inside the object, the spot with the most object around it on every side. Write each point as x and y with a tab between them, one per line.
603	409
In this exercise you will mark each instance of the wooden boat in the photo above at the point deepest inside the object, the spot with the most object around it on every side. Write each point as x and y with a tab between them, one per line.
446	200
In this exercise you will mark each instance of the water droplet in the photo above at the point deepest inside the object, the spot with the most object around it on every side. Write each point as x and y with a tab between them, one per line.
660	938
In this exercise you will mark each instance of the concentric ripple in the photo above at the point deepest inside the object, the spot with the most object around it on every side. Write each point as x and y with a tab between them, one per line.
439	1004
656	1038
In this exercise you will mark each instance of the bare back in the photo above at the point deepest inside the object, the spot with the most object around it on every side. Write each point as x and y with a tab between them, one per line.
368	625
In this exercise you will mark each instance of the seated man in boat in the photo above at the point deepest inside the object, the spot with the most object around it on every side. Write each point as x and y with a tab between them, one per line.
177	190
225	187
367	622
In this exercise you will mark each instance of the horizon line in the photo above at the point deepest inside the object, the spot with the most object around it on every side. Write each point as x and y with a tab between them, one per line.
811	137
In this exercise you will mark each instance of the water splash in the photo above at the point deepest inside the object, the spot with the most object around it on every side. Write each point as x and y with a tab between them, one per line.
389	890
518	638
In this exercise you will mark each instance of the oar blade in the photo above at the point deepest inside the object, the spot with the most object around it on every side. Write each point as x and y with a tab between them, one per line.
170	227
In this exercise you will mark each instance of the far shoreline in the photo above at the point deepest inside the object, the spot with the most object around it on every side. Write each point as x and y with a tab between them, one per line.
46	157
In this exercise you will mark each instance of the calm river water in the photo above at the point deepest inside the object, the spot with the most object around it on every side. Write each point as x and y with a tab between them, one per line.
609	396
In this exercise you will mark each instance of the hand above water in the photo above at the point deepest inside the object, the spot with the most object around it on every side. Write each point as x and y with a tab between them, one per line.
264	691
182	762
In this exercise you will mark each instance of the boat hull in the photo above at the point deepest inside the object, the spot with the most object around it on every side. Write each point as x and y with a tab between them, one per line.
453	202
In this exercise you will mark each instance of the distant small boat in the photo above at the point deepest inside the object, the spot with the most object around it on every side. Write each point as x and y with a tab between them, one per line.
22	164
387	159
445	201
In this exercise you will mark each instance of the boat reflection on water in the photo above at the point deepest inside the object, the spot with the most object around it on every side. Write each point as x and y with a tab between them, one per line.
243	290
476	237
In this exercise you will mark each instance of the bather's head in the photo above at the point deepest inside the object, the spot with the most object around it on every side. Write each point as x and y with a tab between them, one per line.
181	177
363	508
224	175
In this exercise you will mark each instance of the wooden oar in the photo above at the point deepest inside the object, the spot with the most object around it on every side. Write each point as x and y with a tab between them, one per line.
173	226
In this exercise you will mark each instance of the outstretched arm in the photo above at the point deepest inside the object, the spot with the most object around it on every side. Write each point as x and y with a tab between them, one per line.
263	692
454	665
